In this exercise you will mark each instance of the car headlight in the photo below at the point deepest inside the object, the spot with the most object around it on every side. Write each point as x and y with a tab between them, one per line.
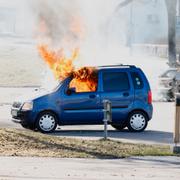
27	106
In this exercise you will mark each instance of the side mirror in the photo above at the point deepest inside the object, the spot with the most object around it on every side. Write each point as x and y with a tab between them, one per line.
71	91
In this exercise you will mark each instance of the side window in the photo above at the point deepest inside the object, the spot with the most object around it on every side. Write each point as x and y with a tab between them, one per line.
78	86
137	81
115	81
83	84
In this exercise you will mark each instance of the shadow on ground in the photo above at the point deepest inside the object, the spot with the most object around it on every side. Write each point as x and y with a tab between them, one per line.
149	136
163	161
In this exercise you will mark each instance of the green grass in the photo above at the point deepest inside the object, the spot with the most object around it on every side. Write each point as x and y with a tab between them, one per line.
28	143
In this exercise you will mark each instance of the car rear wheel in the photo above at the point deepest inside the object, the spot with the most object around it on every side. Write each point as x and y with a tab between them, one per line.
137	121
46	122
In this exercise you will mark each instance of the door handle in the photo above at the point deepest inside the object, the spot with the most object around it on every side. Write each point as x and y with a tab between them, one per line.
126	94
92	96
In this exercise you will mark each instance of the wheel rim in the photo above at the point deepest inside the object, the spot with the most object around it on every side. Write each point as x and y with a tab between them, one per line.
138	121
47	122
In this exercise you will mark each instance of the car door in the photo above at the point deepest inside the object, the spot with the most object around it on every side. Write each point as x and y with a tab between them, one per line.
117	87
81	108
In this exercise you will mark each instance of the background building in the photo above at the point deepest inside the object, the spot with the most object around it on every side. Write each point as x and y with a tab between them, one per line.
145	21
15	18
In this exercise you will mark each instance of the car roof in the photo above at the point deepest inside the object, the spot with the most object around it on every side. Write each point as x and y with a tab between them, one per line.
118	66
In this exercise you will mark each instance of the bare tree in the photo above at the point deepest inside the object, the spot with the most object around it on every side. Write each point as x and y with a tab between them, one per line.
171	10
124	3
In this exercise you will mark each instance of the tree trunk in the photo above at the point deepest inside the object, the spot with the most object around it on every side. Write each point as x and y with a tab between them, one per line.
171	10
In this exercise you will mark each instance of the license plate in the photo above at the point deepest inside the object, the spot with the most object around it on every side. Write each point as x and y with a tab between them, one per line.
14	113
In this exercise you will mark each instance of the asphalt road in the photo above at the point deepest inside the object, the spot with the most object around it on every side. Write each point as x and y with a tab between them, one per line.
135	168
159	130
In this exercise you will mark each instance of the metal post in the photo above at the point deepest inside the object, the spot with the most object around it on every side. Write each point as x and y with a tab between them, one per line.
107	117
105	129
176	135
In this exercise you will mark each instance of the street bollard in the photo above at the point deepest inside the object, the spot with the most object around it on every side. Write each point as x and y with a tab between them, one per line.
107	116
176	134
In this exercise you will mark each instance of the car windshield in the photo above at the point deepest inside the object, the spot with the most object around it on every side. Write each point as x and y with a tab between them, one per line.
169	74
51	86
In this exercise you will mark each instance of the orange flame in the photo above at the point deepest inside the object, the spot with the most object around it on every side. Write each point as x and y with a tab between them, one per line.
84	79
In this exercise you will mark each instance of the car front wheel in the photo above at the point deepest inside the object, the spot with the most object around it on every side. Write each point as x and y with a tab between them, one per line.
119	127
27	126
137	121
46	122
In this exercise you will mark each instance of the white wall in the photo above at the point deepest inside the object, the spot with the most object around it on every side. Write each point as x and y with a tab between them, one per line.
141	29
15	14
150	31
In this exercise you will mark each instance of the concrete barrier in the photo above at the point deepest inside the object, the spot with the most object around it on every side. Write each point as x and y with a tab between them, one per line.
158	50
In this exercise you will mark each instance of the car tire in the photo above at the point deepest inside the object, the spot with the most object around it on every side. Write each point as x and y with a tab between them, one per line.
24	125
46	122
119	127
137	121
27	126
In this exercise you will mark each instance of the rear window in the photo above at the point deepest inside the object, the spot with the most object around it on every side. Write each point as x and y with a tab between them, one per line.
115	81
137	81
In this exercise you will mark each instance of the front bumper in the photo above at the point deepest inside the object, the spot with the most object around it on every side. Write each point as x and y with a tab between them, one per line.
16	120
19	116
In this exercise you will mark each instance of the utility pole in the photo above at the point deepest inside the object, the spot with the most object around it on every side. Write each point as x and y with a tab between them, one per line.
178	29
171	10
131	28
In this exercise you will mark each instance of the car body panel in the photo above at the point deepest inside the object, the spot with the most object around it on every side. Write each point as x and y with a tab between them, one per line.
80	108
121	103
87	107
165	79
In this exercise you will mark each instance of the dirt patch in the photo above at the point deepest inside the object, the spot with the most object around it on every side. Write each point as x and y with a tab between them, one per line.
27	143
